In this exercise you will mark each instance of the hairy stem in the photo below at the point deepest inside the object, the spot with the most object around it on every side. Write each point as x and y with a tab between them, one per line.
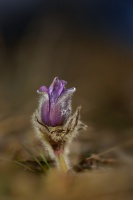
62	163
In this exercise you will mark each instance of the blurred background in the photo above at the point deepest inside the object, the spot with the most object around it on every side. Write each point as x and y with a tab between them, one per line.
87	43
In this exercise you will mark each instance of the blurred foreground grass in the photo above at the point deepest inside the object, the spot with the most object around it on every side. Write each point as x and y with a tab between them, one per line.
99	184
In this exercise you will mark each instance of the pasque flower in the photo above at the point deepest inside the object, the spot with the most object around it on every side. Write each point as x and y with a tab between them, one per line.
56	103
53	122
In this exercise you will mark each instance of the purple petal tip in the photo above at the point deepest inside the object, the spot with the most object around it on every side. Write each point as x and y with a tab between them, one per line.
42	89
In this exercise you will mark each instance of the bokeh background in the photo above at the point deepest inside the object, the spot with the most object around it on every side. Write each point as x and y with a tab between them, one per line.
87	43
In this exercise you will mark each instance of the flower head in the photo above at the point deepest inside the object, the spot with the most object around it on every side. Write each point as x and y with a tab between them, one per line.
55	106
53	122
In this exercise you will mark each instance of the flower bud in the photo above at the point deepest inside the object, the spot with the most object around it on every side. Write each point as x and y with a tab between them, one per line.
55	103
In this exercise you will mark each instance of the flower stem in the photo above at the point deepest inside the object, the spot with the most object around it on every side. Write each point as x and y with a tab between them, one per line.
62	163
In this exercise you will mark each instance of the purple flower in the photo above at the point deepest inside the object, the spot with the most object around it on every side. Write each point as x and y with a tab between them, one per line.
55	104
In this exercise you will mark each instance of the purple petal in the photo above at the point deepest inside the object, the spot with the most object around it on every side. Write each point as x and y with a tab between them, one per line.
52	117
45	113
56	89
66	94
52	85
42	89
55	116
